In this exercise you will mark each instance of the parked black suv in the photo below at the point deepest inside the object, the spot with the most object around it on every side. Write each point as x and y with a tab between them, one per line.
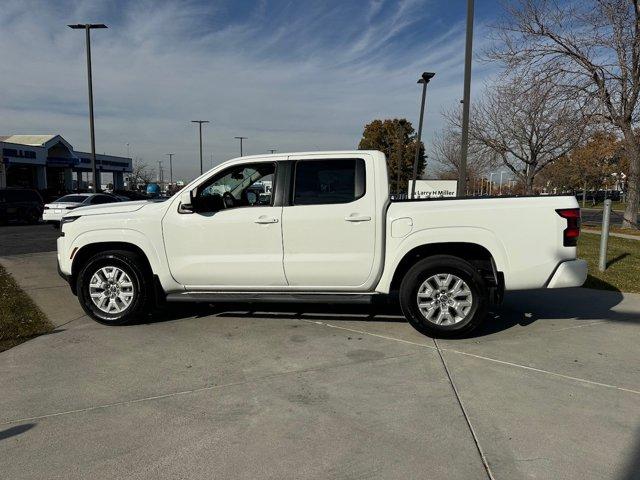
20	204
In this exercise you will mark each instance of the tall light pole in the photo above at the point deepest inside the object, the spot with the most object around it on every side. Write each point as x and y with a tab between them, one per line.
170	155
466	102
127	149
424	80
160	173
272	150
241	139
87	27
200	122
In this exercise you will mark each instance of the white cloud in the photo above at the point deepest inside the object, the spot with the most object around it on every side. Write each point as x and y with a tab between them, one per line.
293	80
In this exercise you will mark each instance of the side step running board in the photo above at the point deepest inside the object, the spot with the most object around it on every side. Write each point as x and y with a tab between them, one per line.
267	297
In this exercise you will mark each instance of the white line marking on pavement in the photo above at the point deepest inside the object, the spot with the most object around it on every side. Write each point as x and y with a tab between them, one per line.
596	322
481	357
540	370
317	322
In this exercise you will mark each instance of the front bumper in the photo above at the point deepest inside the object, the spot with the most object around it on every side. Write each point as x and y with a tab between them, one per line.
66	277
571	273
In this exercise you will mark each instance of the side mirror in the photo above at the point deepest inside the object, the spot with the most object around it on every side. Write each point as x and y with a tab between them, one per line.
186	202
209	204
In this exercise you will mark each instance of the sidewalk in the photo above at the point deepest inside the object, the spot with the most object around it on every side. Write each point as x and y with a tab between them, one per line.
611	234
37	274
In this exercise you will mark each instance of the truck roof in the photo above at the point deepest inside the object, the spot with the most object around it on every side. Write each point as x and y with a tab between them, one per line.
327	152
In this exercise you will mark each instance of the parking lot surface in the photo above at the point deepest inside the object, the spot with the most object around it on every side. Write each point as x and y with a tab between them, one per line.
16	239
551	387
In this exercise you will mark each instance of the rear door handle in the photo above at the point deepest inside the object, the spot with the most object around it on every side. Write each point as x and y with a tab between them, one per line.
263	219
354	217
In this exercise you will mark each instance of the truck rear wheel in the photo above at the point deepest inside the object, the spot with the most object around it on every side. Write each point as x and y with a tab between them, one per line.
444	296
114	287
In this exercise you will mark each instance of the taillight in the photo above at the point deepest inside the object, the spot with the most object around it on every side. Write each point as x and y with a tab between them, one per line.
572	232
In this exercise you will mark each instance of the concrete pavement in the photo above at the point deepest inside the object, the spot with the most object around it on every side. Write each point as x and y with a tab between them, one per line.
551	386
37	274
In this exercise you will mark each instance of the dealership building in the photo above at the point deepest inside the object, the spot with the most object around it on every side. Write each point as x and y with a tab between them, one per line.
50	162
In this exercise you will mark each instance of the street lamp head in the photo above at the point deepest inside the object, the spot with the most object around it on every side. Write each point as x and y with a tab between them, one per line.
199	121
241	138
82	26
426	76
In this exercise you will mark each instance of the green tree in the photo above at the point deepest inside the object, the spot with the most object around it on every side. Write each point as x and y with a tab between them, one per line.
588	166
397	139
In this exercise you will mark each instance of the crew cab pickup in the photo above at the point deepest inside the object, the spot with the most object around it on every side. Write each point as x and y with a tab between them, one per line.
317	227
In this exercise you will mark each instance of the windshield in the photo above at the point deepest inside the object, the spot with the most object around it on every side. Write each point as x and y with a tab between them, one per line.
71	199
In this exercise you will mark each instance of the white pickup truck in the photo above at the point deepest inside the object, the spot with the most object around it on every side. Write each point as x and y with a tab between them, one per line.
317	227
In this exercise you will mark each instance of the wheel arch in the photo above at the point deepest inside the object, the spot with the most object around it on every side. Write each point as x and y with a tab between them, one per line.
87	251
477	255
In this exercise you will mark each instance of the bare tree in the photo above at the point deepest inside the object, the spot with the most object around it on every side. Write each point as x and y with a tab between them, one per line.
142	174
591	49
446	152
527	124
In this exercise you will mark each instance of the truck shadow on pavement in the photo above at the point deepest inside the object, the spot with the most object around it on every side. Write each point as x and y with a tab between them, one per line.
526	307
17	430
632	469
519	309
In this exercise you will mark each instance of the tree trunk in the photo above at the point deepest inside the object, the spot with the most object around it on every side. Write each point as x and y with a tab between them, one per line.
584	194
632	150
529	177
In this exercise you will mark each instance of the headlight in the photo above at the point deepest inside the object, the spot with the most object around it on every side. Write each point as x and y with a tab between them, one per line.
68	220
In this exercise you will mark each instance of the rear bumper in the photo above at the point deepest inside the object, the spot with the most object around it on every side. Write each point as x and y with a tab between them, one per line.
49	216
571	273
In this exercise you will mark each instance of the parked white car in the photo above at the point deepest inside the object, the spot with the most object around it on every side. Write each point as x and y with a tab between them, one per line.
54	211
328	232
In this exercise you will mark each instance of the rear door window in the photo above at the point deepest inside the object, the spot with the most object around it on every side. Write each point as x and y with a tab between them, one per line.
319	182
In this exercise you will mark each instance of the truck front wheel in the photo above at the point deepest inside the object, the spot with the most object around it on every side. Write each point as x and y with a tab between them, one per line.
113	287
444	296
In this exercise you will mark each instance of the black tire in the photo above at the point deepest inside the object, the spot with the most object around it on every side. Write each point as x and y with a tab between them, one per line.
141	279
444	264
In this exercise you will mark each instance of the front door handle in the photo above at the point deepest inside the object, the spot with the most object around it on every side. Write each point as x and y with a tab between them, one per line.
354	217
263	219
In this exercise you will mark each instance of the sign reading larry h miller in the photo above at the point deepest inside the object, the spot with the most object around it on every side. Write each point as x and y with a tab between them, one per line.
435	188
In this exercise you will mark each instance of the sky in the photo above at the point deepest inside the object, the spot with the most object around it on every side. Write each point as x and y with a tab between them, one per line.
289	75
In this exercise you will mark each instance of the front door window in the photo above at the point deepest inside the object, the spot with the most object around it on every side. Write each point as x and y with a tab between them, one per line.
249	185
